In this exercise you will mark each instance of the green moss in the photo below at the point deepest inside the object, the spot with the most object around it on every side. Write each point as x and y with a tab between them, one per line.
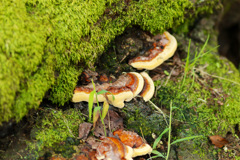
70	33
56	126
228	84
207	103
21	51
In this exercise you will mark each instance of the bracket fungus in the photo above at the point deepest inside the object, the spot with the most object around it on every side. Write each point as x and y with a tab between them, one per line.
164	48
125	146
126	87
134	141
148	88
113	149
131	84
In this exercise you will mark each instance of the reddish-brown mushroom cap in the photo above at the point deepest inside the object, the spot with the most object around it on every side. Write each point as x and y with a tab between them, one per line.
135	83
113	149
129	138
165	50
125	88
134	141
148	88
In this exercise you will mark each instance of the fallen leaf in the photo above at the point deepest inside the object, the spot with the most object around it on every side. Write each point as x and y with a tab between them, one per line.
112	122
93	142
84	129
218	141
96	115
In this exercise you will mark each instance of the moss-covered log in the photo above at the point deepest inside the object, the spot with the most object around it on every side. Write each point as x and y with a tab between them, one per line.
46	44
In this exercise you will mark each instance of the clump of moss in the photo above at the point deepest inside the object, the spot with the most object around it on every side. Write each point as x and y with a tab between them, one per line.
56	126
44	43
211	102
227	83
207	103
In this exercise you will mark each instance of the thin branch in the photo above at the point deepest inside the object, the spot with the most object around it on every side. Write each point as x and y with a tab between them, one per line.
157	108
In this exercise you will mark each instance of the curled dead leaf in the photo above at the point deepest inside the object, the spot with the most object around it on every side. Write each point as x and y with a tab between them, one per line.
218	141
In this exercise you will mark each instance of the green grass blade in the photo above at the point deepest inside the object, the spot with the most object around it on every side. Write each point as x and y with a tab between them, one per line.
102	92
90	105
96	114
204	46
159	138
185	139
105	109
158	154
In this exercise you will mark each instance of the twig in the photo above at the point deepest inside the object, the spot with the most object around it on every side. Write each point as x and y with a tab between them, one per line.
217	76
169	76
66	122
156	107
169	132
109	123
124	57
20	155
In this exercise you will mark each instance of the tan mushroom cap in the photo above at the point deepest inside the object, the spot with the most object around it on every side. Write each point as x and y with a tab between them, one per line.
82	93
120	94
148	88
129	153
142	150
158	55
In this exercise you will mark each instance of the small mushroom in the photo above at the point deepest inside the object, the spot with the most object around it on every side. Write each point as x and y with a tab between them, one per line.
113	149
164	48
148	88
134	141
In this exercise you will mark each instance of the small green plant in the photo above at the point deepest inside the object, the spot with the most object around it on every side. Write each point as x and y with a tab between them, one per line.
190	64
97	110
159	154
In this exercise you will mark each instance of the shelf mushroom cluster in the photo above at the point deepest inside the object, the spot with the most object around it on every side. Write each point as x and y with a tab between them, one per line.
125	88
126	145
131	84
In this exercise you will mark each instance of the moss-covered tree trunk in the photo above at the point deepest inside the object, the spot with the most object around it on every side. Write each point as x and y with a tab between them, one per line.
46	44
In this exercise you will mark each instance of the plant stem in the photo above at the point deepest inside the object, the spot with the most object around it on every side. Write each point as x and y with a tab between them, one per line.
159	111
169	132
105	133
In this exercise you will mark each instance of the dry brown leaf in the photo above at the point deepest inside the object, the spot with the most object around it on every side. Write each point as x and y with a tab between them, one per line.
84	129
218	141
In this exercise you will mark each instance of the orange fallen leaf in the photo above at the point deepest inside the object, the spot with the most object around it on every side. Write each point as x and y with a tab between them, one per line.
218	141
